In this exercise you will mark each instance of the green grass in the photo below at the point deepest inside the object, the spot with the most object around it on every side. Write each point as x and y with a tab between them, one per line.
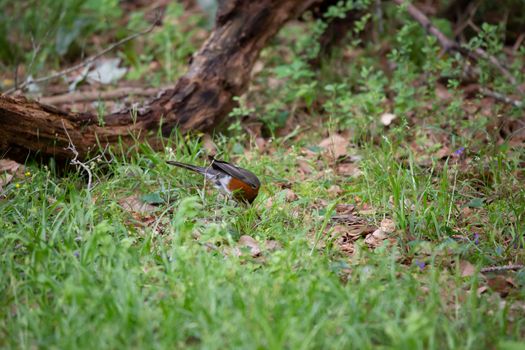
78	271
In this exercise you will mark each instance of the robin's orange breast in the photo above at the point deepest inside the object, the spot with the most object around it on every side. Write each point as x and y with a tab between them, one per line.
242	191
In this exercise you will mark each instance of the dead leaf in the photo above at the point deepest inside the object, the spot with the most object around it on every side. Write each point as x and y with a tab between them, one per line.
345	238
376	238
466	212
367	210
442	153
335	191
442	92
501	284
309	154
8	165
5	179
251	243
260	142
466	269
143	220
345	214
348	169
254	128
346	247
380	234
272	245
388	225
341	230
209	145
387	118
513	130
304	167
511	282
319	203
352	231
105	71
335	146
8	168
372	241
481	290
348	219
290	195
343	209
134	204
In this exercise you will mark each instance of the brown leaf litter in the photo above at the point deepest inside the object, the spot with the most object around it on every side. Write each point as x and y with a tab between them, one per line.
335	146
348	226
498	279
248	246
133	204
8	170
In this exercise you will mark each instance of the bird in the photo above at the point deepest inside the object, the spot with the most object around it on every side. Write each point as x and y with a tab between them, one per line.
241	184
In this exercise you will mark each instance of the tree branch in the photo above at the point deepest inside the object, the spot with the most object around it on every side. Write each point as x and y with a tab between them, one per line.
502	268
501	97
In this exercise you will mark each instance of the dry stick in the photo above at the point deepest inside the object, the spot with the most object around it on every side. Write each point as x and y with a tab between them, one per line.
75	161
379	15
100	96
500	97
466	18
85	62
502	268
518	42
450	45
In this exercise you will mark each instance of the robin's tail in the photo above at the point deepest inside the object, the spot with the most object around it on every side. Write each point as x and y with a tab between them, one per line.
197	169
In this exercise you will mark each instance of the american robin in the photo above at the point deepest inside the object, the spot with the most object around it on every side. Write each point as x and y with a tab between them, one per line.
242	184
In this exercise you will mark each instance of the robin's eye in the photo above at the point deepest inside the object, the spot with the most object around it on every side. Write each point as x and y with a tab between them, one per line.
254	187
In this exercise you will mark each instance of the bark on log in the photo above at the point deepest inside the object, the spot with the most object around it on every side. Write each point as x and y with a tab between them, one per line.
199	101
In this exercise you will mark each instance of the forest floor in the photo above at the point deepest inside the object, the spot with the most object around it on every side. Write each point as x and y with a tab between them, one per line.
391	214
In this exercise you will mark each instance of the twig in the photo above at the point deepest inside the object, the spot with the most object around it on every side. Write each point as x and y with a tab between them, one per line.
450	45
502	268
379	16
36	51
16	75
85	62
99	96
75	160
500	97
466	18
518	42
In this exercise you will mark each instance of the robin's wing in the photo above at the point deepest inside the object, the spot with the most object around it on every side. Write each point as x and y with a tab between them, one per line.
236	172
